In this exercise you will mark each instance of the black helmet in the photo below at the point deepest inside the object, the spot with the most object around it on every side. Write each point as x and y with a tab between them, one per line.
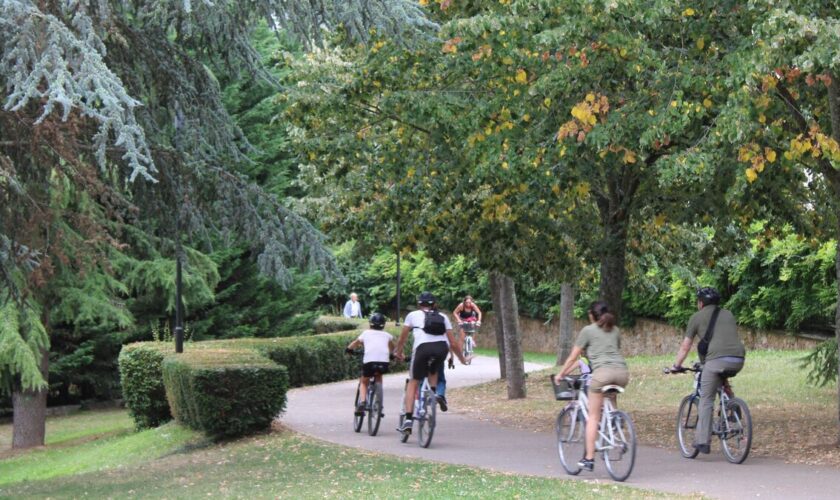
708	295
426	299
377	321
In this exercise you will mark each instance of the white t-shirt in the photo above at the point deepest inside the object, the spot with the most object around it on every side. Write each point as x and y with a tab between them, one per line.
355	309
376	346
415	320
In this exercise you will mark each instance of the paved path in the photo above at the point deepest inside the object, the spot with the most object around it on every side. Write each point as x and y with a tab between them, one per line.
325	412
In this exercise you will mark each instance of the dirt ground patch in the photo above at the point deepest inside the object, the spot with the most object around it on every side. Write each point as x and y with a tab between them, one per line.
797	433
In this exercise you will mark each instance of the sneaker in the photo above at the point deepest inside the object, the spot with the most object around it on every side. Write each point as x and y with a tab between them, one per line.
442	402
406	425
586	464
702	448
360	410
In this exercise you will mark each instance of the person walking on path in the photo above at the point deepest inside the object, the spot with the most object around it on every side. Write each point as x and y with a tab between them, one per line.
721	352
601	340
353	309
433	340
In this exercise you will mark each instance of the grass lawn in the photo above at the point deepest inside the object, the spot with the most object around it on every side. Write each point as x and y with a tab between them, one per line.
791	419
280	464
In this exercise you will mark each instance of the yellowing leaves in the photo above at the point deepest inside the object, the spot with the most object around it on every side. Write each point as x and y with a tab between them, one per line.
585	116
521	76
483	51
451	46
770	155
688	12
659	220
582	189
629	156
701	43
751	175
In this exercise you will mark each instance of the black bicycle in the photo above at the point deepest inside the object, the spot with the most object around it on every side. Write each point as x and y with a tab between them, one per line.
373	405
731	422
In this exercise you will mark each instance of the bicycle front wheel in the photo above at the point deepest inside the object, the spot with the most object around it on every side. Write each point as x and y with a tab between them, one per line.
621	454
736	431
357	419
571	439
375	413
427	420
687	417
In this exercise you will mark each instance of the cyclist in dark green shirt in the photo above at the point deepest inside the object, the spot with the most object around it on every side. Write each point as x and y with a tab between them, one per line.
724	357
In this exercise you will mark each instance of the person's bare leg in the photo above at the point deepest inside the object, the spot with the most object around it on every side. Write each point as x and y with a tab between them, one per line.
410	393
363	390
596	400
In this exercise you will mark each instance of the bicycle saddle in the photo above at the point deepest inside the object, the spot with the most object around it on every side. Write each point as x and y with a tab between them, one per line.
612	388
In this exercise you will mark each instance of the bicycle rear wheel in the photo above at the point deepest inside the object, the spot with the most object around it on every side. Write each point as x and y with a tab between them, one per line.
375	412
427	420
736	431
571	439
687	425
469	346
357	419
621	457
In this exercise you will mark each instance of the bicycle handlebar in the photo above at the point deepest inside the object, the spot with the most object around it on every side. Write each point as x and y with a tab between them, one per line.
672	369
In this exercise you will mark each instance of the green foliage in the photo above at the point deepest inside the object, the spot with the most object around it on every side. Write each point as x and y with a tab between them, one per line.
333	324
821	363
23	339
248	304
224	392
141	376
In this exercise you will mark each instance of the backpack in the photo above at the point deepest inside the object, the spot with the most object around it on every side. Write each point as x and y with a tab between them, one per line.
435	323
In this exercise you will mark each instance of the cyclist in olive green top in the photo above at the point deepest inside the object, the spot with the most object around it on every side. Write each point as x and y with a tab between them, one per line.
601	341
724	357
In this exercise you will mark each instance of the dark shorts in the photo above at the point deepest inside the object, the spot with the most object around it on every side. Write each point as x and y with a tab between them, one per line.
428	358
370	369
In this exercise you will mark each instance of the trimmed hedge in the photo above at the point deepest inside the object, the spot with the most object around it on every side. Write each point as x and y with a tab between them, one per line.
333	324
141	376
311	360
224	392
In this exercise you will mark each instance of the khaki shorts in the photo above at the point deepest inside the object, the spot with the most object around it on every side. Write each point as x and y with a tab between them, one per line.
609	376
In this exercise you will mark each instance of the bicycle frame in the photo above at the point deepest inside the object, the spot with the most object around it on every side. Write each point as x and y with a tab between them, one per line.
720	403
606	433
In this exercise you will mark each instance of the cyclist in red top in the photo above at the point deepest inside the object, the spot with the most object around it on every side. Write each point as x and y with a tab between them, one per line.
467	311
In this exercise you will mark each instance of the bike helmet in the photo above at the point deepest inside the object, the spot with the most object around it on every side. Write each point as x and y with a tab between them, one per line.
426	299
708	295
377	321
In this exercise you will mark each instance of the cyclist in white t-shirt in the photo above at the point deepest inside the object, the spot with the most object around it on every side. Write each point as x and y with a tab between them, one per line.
429	351
378	345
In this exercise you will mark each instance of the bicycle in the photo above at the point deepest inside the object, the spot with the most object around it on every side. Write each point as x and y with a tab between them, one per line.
734	431
373	405
616	432
425	414
469	327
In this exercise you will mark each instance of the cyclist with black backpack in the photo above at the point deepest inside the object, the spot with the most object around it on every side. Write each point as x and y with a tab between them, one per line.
433	340
721	352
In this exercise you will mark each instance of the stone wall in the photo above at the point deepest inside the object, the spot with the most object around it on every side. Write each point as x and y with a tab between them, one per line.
645	337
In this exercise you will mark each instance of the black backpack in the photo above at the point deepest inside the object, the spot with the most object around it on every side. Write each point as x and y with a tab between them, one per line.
435	323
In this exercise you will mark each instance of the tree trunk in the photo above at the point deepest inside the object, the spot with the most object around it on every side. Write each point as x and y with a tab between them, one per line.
613	261
567	322
515	364
30	413
837	326
496	294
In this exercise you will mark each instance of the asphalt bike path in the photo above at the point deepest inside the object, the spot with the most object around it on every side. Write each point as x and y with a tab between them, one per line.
326	412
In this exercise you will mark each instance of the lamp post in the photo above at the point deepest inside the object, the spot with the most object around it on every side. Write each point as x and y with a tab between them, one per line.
179	304
399	278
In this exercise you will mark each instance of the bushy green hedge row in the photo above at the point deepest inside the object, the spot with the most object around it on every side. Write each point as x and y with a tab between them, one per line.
141	376
332	324
309	360
224	392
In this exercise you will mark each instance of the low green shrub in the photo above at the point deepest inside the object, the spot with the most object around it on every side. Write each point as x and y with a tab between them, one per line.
224	392
141	376
332	324
318	359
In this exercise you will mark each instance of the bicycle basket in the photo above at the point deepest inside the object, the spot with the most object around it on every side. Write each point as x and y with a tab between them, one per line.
565	390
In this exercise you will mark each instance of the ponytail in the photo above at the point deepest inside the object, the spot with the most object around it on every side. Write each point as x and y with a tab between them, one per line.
602	315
